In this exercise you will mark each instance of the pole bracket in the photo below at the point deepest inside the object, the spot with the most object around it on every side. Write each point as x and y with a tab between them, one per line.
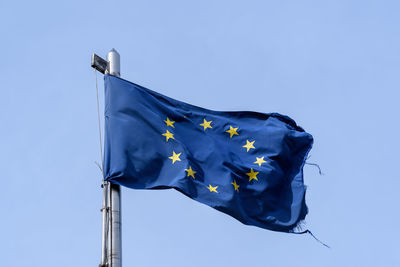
99	63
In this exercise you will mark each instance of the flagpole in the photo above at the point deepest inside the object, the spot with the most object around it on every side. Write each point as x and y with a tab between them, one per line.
114	254
105	218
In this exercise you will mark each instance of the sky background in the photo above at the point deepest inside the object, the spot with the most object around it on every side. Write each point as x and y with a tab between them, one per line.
333	66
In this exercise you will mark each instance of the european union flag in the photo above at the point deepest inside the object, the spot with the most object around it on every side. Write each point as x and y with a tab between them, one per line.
246	164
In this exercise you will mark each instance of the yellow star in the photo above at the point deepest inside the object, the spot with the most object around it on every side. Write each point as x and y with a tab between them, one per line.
249	145
232	131
260	161
190	172
206	124
175	157
252	175
168	135
235	185
170	123
212	188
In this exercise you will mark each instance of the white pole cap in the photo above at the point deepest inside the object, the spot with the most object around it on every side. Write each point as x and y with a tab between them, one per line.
113	60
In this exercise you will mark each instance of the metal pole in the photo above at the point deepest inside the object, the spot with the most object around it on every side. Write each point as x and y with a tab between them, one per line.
105	226
114	255
114	248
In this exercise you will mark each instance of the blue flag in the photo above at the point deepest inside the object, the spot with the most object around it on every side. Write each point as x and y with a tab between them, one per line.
246	164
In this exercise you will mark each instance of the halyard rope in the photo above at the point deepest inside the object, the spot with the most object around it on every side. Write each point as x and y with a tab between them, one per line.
99	123
104	184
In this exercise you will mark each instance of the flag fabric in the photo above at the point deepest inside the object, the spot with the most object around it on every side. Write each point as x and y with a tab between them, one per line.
246	164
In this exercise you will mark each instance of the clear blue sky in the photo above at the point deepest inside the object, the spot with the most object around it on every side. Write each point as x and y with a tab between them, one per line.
333	66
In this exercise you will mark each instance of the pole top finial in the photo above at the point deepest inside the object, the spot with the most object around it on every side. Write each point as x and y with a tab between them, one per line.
113	59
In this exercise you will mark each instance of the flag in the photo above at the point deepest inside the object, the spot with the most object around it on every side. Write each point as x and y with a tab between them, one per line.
246	164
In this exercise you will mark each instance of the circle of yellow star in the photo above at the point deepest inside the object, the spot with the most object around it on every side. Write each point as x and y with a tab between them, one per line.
249	145
252	175
232	131
175	157
235	185
168	135
206	124
190	172
259	161
213	188
170	123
